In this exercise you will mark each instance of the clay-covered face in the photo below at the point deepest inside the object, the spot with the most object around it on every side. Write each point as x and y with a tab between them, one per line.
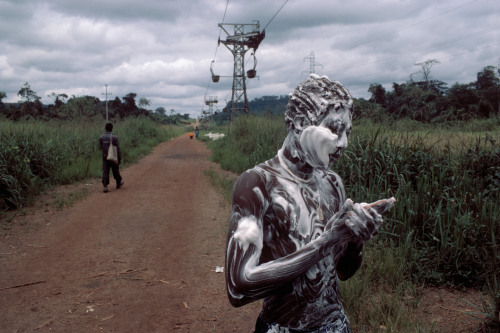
323	144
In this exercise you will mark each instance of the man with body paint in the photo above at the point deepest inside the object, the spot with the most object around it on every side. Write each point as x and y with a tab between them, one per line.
292	233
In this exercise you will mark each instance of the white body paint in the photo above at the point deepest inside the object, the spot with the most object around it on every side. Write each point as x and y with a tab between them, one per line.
248	233
318	143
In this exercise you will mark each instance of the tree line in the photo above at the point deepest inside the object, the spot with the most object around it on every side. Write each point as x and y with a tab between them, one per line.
420	98
429	100
70	108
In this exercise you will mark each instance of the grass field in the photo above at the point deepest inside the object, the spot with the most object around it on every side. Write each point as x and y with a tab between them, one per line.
445	227
37	155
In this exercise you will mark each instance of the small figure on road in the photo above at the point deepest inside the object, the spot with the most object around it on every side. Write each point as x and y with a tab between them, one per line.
292	232
104	141
196	132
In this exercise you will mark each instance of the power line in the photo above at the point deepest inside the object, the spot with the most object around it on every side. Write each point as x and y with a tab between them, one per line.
220	29
272	18
217	47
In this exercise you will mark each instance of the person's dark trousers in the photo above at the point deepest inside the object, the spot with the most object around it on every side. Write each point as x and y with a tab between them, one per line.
105	172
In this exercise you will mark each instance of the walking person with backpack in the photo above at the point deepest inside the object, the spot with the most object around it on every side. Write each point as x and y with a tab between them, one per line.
110	159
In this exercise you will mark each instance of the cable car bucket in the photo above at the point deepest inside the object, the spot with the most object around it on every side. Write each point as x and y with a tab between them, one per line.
215	78
251	73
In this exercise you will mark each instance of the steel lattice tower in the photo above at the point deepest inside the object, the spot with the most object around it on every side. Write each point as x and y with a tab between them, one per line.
245	37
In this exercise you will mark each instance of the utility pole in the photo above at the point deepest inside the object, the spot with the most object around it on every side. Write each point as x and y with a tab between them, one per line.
312	63
107	94
171	115
244	37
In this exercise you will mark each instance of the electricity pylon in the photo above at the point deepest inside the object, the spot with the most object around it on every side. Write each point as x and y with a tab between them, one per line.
244	37
312	63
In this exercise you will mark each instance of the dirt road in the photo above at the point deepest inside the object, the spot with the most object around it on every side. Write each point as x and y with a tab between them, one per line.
141	258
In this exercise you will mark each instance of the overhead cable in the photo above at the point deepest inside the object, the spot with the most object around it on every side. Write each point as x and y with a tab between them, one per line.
272	18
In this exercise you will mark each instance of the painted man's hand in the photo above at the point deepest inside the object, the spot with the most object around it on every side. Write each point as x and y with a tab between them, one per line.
355	223
363	221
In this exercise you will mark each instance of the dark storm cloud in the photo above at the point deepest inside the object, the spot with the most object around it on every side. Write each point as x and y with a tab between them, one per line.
162	50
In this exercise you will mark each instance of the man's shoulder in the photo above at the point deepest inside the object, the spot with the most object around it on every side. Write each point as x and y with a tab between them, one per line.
252	175
260	171
107	135
255	177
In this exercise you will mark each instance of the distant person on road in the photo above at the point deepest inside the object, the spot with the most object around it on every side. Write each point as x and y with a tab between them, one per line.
196	132
292	233
104	141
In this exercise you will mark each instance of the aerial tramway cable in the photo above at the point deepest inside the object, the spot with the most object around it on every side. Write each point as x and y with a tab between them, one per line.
272	18
216	48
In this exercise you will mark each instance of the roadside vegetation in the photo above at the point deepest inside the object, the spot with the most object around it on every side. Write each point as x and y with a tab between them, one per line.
444	228
42	146
38	155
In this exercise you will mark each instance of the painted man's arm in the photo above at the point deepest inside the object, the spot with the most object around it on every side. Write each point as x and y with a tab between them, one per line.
247	278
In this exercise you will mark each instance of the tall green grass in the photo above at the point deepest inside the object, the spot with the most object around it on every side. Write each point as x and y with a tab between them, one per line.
447	201
445	226
252	140
36	155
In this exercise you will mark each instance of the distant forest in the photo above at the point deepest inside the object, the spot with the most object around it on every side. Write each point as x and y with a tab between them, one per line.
89	107
423	99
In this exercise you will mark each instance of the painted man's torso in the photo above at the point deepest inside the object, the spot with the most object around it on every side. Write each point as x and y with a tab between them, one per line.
294	214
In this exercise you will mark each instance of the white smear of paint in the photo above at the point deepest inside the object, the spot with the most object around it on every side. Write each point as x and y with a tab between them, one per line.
318	143
248	233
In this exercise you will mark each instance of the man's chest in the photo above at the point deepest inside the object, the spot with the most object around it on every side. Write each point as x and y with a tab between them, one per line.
297	212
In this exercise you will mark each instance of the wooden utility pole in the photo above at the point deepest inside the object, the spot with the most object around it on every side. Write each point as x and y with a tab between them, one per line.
107	94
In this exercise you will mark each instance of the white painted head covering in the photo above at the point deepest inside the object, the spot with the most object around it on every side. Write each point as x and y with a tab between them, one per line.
312	99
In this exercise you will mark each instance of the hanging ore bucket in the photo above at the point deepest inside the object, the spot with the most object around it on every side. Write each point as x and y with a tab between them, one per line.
251	73
215	78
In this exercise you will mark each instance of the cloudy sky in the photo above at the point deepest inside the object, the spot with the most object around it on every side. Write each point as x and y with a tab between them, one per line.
162	49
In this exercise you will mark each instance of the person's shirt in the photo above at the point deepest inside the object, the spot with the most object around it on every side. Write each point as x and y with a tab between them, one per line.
104	142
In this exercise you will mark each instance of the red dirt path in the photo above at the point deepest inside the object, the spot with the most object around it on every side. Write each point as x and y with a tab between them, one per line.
138	259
